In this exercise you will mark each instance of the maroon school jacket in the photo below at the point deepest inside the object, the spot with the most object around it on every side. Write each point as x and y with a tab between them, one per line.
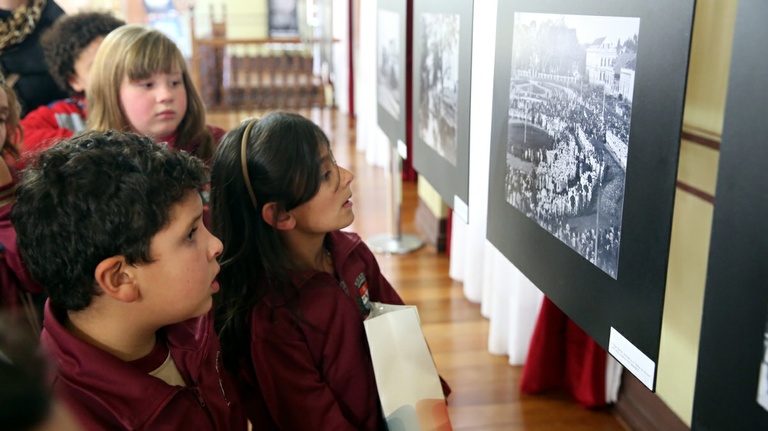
106	393
191	147
316	373
14	278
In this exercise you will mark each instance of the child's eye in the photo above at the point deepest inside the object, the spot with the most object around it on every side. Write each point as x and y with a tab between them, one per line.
191	234
327	175
176	83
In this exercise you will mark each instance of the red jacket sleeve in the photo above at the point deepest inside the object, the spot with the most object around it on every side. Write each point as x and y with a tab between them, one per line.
309	372
41	130
312	404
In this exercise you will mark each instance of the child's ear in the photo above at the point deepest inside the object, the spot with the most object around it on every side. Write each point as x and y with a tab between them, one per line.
116	280
284	220
76	83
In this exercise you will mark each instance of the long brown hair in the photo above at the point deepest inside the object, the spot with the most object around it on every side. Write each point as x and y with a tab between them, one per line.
283	165
137	52
14	132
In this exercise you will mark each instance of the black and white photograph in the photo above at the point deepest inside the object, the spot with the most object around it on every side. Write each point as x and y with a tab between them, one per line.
283	18
762	384
441	96
438	69
588	100
388	53
570	106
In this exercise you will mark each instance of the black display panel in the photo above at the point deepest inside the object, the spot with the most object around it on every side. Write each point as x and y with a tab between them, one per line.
442	59
732	374
587	114
390	68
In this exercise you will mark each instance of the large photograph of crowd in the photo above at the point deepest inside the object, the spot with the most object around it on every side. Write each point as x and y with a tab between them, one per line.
570	106
439	79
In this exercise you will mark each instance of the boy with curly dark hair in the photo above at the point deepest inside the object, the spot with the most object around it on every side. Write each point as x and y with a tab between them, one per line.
111	226
69	47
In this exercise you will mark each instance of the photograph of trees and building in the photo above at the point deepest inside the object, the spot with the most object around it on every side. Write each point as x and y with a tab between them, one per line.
570	106
388	46
439	81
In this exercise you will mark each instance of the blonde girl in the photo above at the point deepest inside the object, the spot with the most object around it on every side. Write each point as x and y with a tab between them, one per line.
140	82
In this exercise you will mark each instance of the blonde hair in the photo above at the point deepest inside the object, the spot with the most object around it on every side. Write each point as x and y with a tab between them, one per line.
137	52
14	132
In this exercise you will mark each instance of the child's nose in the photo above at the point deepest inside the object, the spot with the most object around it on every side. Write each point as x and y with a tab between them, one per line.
216	246
347	175
165	93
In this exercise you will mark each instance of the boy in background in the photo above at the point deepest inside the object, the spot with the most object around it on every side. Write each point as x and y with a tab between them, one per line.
69	47
111	226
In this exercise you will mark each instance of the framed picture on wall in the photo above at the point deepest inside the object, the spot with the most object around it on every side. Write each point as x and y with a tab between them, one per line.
731	389
587	113
165	17
283	19
442	57
390	68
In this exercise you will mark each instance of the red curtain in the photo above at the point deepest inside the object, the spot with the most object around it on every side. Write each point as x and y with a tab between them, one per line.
408	173
563	357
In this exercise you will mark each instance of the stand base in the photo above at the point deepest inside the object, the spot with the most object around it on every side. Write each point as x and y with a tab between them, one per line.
389	244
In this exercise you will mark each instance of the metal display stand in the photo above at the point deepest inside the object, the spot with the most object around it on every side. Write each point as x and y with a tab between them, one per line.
397	243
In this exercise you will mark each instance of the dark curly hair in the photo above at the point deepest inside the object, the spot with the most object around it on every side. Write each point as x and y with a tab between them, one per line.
94	196
67	37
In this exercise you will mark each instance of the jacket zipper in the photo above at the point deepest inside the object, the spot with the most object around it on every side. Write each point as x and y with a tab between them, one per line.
201	400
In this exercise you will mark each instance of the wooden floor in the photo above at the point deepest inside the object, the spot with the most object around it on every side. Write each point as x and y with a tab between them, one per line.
485	387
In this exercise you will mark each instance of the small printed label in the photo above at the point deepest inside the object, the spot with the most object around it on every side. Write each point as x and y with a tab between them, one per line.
402	149
632	358
460	208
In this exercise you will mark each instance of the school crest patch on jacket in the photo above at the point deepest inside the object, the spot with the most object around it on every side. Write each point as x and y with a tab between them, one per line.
363	300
